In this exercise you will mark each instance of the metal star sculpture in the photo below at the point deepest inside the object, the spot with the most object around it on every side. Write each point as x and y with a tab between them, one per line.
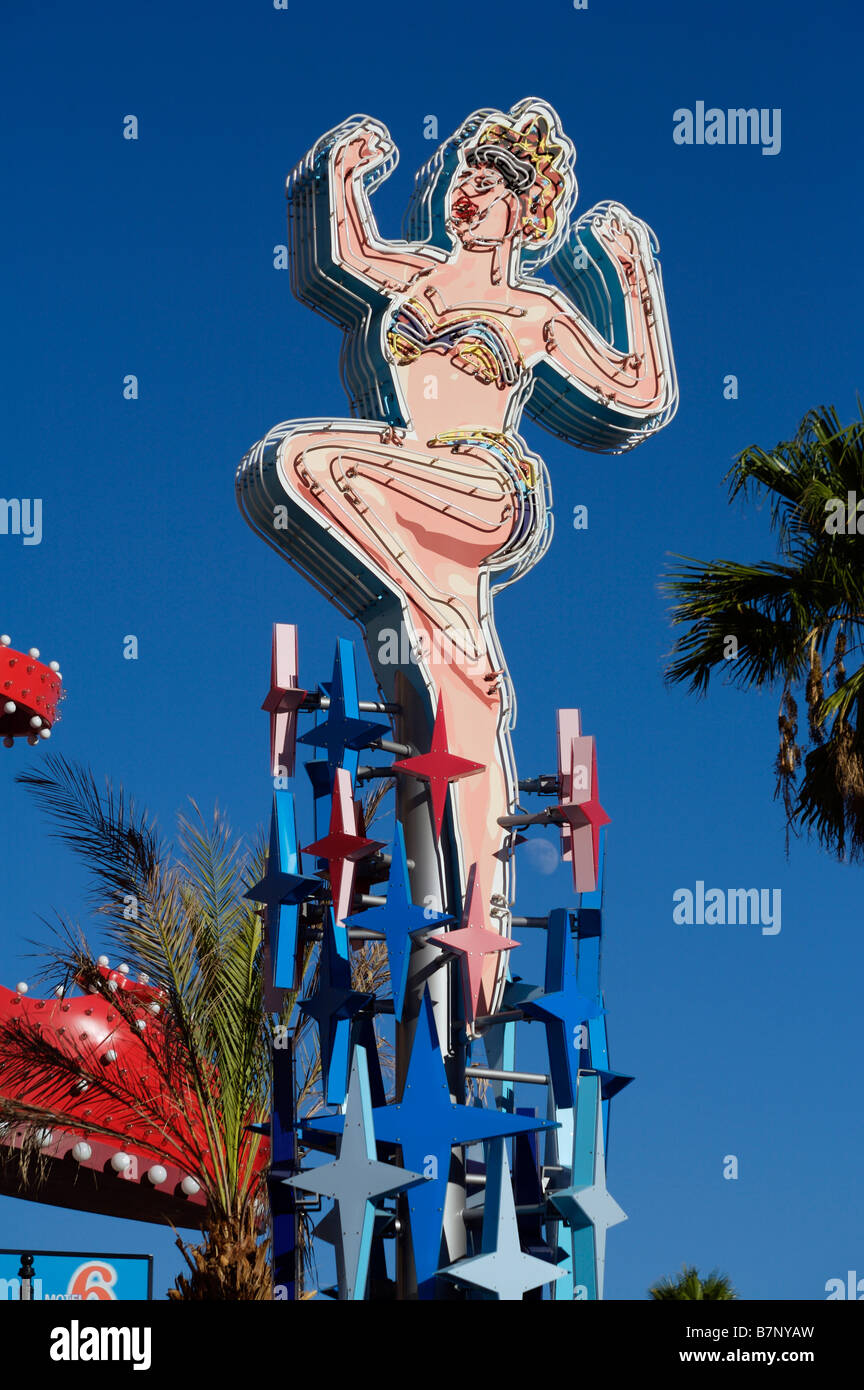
503	1270
562	1007
283	699
474	942
333	1006
439	767
343	732
589	819
428	1125
281	889
343	845
586	1205
399	918
355	1182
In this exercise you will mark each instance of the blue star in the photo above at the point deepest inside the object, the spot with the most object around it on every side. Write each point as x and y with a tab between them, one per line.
333	1007
502	1270
427	1124
398	918
585	1205
281	889
561	1006
343	732
355	1181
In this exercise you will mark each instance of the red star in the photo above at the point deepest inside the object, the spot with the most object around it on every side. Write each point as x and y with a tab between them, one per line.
585	817
438	767
283	699
474	942
342	846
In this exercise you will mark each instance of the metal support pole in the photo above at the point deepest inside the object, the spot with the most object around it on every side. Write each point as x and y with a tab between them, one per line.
530	1078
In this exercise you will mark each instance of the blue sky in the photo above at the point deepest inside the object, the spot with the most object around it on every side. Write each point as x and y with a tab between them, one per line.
155	257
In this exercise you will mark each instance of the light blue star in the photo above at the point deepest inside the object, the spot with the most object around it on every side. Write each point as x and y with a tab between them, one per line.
503	1269
586	1205
355	1181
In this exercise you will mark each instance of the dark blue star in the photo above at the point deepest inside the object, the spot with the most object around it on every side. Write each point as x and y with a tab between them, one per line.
398	918
281	889
343	732
561	1006
333	1007
427	1125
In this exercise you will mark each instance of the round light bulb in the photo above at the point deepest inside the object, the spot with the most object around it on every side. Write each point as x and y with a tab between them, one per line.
53	665
21	987
157	1174
103	960
110	1055
34	652
36	722
124	968
44	733
5	640
81	1152
190	1187
10	707
120	1162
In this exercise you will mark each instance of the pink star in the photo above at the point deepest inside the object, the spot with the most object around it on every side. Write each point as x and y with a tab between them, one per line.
569	728
474	942
584	814
439	767
283	699
343	846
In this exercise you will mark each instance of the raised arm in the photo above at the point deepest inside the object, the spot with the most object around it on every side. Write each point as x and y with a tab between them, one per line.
357	245
338	259
608	375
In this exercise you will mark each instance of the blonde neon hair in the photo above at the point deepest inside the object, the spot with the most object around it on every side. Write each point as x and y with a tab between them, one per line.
532	164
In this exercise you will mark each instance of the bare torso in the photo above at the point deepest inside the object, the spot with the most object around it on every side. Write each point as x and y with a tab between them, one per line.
462	357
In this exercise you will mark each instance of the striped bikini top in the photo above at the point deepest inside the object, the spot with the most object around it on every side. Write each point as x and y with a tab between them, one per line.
475	340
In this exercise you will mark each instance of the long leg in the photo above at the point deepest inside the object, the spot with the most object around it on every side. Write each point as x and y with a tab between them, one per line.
428	524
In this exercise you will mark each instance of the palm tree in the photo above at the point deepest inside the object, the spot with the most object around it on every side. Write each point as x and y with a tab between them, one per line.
690	1285
794	623
180	915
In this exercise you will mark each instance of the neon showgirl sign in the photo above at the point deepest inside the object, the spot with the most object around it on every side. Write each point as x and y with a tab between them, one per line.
415	512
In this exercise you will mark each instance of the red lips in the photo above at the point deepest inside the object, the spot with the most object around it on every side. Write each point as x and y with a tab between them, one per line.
463	208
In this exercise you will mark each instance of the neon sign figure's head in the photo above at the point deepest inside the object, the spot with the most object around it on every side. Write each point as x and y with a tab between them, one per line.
518	181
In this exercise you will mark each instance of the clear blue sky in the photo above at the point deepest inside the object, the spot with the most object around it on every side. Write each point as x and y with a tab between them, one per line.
155	258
